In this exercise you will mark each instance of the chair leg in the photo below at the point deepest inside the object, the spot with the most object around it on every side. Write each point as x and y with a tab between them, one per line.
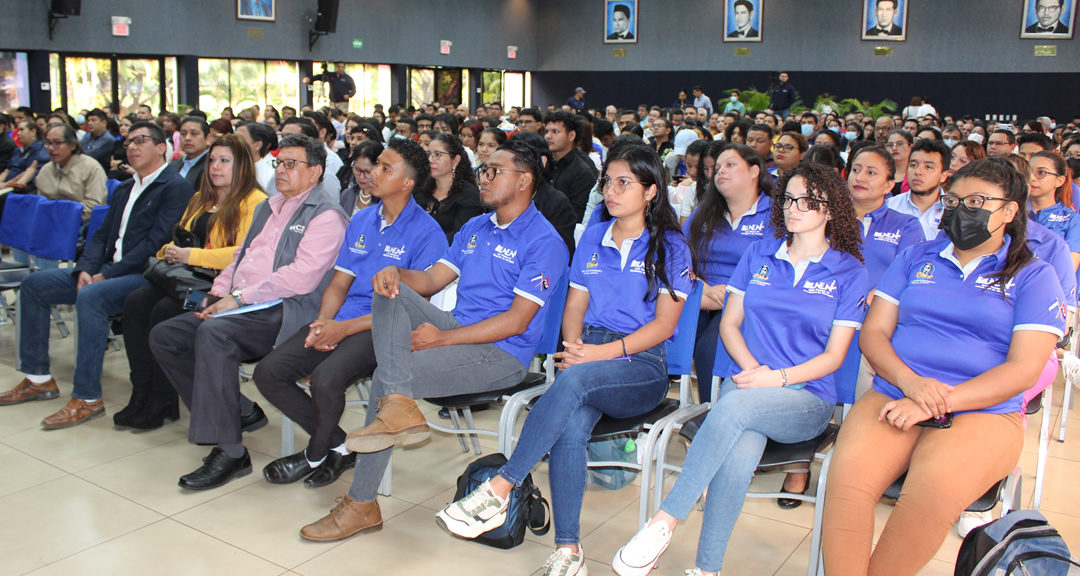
467	412
1044	441
1011	497
384	486
288	436
61	325
1066	406
817	563
455	417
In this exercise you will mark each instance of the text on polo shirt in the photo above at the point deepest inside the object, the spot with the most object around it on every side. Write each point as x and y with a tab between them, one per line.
505	254
985	283
890	237
752	229
820	288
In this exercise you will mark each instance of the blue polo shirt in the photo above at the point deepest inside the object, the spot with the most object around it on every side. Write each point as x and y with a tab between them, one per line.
614	277
23	157
789	311
886	233
1050	248
1061	220
496	263
951	326
414	240
731	238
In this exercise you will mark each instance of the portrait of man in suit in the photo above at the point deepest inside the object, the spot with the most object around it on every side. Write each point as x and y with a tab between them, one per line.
621	23
1048	18
744	20
255	9
885	20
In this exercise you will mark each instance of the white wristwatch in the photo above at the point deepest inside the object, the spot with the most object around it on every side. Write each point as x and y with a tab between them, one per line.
236	294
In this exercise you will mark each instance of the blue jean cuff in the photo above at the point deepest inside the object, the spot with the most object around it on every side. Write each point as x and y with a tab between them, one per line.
504	476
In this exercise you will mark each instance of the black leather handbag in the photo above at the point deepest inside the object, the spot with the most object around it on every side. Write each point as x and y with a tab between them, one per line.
176	279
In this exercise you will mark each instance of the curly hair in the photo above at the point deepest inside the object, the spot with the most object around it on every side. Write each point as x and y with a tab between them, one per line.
827	189
415	158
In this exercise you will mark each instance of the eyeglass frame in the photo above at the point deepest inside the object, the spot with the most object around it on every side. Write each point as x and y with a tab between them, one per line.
787	200
961	201
616	185
482	170
278	162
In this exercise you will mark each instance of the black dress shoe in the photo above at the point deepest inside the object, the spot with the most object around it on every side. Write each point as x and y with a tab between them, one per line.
331	469
253	420
445	412
288	469
217	469
790	503
154	417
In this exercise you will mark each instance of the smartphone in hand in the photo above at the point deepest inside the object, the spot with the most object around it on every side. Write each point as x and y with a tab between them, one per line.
197	301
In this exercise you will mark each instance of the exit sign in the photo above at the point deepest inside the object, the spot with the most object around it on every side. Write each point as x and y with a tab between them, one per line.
121	26
444	46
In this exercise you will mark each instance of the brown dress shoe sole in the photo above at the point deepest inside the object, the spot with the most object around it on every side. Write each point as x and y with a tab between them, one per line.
371	443
42	396
97	414
367	530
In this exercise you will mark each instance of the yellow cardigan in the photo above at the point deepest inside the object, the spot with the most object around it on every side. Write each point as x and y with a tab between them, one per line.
218	255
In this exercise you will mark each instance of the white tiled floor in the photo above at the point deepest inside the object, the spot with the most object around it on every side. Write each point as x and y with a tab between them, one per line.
94	500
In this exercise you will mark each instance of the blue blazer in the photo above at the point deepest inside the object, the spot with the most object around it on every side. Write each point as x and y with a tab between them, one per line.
149	227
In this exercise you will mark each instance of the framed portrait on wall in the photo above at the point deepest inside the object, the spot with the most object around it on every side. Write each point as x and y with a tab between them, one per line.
742	20
1048	19
620	21
264	10
884	20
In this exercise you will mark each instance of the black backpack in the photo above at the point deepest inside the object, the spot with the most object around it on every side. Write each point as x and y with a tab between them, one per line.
1021	543
527	507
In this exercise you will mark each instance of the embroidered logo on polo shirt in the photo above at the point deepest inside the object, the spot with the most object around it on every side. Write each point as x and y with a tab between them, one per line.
985	283
1061	312
890	237
752	229
1060	217
542	282
394	252
762	273
505	254
637	266
820	288
298	228
472	242
925	275
360	242
592	261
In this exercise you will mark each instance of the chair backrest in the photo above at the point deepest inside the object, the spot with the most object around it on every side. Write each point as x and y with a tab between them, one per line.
55	233
680	350
556	304
111	185
97	216
20	213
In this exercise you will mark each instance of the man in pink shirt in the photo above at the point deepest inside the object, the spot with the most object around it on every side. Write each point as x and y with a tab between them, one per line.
272	288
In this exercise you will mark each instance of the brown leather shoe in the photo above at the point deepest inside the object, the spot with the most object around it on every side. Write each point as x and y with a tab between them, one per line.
348	518
398	421
27	391
73	413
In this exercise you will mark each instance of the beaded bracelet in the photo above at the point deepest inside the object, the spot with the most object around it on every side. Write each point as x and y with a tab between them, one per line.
783	374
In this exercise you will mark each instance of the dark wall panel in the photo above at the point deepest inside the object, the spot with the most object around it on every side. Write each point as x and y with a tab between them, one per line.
1023	94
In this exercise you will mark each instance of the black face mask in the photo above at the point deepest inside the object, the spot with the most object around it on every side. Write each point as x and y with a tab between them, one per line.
967	228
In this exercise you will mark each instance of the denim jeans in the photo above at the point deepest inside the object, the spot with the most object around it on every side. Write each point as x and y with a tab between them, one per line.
726	451
94	304
562	421
42	263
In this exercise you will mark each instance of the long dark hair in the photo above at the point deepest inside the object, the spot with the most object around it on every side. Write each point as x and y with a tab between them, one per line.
463	173
1001	173
660	219
228	214
1063	193
824	186
712	206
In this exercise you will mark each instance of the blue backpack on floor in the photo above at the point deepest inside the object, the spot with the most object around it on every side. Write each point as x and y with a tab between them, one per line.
527	507
1021	543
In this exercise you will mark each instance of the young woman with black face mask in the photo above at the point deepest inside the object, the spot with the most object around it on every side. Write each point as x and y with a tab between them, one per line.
959	328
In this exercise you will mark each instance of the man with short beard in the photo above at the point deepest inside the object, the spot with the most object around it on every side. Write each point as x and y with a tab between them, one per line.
928	168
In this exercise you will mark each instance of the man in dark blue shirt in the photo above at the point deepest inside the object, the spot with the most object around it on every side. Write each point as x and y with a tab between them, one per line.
342	86
577	102
98	142
783	96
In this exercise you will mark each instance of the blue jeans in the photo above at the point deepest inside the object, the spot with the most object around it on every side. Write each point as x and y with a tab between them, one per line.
42	263
94	304
562	422
726	451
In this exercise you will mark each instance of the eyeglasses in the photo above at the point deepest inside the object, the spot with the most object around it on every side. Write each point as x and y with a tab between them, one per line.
436	154
1041	173
802	203
618	184
489	173
289	163
895	145
972	202
138	140
785	148
1073	156
361	171
1045	9
54	143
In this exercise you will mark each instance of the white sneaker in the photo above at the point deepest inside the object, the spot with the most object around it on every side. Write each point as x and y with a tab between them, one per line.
563	562
474	514
643	551
971	520
1070	367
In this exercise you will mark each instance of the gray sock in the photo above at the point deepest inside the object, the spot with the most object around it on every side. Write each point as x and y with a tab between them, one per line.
233	450
246	405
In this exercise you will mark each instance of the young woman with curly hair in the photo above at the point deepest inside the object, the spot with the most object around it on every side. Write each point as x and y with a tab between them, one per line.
794	304
451	195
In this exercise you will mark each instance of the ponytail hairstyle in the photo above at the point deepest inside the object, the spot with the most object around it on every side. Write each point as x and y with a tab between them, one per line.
1000	173
1064	192
712	206
825	189
660	219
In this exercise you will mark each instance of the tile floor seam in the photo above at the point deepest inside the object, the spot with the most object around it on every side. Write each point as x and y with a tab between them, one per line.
92	546
792	555
249	552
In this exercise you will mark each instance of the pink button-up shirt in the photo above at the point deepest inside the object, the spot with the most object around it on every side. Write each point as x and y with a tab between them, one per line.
255	275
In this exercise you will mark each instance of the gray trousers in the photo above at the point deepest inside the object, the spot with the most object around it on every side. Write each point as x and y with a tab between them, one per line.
201	359
432	373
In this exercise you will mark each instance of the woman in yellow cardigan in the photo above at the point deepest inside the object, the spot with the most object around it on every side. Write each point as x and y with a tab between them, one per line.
219	216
